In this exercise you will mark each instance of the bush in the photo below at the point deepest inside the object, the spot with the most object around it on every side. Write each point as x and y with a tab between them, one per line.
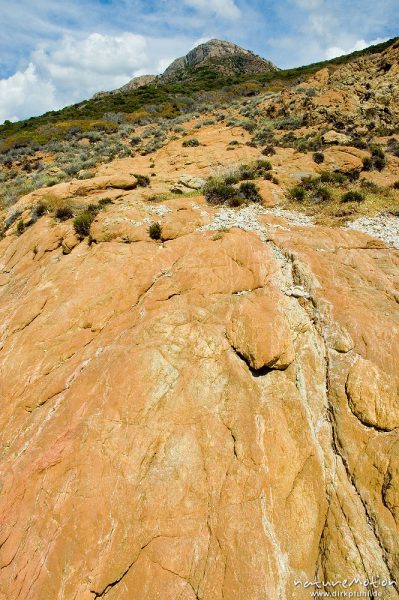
268	150
396	185
38	211
103	202
236	202
297	193
333	177
249	191
191	142
376	161
322	194
318	158
262	167
247	172
82	222
219	192
142	180
20	227
64	213
155	231
352	196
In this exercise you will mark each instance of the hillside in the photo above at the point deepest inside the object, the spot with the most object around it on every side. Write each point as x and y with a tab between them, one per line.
199	339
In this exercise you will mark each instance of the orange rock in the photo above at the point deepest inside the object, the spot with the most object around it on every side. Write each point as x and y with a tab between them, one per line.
260	332
373	396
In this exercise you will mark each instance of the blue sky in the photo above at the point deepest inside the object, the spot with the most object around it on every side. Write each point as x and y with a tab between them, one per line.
54	53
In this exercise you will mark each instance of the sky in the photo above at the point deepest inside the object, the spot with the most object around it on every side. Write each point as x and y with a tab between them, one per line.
54	53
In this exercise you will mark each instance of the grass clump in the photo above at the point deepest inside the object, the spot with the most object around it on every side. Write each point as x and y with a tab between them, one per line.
20	227
218	191
38	211
103	202
249	191
142	180
155	231
376	161
63	213
297	193
82	223
318	158
352	196
321	194
192	142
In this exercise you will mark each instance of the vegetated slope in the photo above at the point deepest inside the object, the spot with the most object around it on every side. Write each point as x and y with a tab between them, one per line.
199	387
161	98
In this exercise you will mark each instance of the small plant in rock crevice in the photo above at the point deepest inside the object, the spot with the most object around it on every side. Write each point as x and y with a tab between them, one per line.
82	223
155	231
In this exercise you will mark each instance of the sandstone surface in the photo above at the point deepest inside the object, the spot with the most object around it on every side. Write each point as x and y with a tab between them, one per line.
212	414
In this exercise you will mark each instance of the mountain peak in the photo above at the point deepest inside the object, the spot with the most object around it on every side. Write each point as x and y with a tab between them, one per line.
225	56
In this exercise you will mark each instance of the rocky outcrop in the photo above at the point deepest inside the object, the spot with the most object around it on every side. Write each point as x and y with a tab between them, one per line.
222	56
211	417
225	56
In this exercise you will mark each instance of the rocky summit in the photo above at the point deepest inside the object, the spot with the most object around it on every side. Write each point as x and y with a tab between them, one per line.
218	55
227	57
199	345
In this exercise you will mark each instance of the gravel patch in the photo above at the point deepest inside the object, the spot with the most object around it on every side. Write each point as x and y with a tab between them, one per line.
383	227
247	218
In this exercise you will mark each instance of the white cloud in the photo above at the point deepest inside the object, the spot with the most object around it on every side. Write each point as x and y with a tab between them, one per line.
25	93
335	51
72	69
91	64
222	8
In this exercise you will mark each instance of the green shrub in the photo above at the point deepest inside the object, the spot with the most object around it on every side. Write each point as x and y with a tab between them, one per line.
268	150
310	183
318	158
64	213
376	161
321	194
103	202
38	211
247	172
191	142
217	191
396	185
236	201
142	180
333	177
262	167
20	227
82	222
249	191
155	231
294	122
297	193
352	196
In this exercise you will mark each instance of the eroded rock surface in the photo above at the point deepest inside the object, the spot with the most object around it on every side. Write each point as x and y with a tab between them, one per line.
187	419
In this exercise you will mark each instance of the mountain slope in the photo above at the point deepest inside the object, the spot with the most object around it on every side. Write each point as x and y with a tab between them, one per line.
166	96
198	376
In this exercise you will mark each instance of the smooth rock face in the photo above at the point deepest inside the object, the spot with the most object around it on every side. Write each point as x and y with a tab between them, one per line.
373	396
260	332
146	452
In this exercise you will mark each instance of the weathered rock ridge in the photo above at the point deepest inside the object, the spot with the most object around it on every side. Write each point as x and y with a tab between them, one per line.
211	417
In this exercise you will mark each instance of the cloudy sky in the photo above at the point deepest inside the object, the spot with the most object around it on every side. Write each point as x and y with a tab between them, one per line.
56	52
